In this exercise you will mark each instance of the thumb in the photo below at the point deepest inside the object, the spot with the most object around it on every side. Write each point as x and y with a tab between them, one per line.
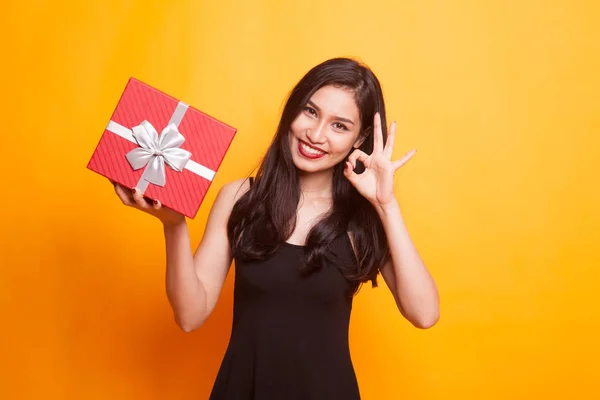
349	173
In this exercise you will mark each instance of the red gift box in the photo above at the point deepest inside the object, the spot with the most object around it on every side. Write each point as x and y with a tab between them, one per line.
167	149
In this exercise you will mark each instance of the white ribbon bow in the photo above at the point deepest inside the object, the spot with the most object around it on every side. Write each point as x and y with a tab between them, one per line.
155	151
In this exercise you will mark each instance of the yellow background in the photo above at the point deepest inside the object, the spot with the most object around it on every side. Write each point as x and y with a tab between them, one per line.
501	99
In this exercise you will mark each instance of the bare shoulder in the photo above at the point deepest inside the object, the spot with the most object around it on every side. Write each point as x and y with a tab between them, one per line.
223	205
351	237
232	191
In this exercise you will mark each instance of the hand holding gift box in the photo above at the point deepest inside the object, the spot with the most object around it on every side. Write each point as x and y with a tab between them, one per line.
175	167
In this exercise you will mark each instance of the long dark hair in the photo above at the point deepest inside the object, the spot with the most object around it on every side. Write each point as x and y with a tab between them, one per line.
265	216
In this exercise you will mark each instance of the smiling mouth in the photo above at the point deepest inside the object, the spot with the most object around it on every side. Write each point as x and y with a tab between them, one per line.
308	151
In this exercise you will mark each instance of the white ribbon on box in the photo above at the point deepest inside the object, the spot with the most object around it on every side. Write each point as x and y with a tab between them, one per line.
155	151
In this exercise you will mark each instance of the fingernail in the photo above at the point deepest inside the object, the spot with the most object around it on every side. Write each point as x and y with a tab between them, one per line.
134	190
155	202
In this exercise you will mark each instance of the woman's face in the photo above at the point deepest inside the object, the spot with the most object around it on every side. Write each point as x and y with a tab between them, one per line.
325	131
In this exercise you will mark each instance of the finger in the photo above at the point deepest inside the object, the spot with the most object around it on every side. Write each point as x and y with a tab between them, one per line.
156	204
377	134
389	145
349	173
123	194
138	197
398	163
358	155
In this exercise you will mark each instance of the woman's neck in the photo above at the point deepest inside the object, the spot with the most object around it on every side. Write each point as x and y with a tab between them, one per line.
316	184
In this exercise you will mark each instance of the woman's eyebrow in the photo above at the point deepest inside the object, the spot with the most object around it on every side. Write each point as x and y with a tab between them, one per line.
311	103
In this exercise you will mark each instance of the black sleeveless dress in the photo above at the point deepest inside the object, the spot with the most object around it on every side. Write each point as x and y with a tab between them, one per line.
289	339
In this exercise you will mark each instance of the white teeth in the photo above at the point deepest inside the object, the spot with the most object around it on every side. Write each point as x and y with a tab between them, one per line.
310	150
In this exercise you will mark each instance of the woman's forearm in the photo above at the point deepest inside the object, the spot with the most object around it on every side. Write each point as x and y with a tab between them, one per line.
185	291
415	288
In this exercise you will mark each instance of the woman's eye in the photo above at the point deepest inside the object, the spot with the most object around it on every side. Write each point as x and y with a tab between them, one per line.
310	110
338	125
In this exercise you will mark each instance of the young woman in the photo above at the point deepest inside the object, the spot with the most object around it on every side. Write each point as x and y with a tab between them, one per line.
319	219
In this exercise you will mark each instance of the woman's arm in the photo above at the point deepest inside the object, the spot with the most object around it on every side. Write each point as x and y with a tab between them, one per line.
405	273
194	282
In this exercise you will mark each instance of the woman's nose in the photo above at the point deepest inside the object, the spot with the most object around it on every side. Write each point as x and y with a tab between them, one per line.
316	134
